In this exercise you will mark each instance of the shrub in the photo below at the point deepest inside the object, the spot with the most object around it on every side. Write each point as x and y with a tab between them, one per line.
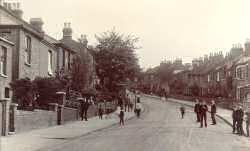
47	88
24	92
40	91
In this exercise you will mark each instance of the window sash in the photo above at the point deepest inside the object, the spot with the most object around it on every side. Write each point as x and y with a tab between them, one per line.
3	61
50	55
28	49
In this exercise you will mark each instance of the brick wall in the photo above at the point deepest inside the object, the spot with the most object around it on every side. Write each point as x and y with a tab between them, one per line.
70	114
26	120
39	57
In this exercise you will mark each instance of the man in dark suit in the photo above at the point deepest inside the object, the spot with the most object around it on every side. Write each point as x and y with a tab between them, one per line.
234	116
203	114
213	112
86	105
196	110
240	116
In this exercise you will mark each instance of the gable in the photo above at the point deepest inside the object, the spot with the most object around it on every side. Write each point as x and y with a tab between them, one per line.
8	19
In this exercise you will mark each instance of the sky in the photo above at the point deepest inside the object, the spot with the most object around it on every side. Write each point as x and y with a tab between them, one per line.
168	29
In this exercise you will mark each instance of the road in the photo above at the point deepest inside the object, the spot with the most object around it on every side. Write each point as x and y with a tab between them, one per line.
160	129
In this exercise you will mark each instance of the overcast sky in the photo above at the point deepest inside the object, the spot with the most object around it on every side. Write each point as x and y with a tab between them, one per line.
168	29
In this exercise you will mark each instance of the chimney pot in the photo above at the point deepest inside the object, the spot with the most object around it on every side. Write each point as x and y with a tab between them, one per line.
37	23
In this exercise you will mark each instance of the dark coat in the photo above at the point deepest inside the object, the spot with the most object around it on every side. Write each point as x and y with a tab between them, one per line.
239	114
213	108
197	108
203	109
234	115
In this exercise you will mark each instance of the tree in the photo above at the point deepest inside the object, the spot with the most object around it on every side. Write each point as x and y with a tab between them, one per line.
79	73
116	59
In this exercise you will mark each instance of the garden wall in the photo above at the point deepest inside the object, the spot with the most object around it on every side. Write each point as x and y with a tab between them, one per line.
30	120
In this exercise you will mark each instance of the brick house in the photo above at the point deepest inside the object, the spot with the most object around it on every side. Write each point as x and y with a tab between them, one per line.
5	67
33	55
81	48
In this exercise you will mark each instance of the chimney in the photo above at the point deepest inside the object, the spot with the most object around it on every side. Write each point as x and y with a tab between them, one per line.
67	32
37	23
14	7
18	13
247	47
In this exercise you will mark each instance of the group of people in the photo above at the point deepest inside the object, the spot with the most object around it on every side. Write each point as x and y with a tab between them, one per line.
238	118
128	107
124	104
85	103
201	110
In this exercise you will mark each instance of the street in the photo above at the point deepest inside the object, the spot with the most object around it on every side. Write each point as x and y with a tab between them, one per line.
160	128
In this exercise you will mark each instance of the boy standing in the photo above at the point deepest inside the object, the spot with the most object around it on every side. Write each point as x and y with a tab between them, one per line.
182	109
121	115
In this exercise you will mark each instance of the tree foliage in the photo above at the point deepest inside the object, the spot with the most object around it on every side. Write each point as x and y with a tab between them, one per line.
116	58
24	91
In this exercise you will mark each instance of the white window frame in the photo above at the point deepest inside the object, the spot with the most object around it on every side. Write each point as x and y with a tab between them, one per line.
50	62
28	48
218	76
3	72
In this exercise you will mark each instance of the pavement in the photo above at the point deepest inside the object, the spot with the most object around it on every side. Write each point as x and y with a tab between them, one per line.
43	138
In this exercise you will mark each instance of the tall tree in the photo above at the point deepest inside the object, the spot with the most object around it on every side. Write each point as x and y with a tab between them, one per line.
116	59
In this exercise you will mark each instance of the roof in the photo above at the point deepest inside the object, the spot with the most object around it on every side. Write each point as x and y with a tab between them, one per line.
243	60
177	71
25	24
28	27
6	41
58	43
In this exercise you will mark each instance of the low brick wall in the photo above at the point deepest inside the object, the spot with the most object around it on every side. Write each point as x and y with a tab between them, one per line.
70	114
28	120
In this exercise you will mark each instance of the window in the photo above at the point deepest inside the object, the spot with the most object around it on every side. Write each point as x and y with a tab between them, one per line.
50	62
242	72
68	60
3	61
63	58
27	50
6	92
218	76
208	78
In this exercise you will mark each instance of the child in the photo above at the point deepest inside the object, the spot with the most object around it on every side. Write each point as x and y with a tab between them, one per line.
121	115
100	110
182	109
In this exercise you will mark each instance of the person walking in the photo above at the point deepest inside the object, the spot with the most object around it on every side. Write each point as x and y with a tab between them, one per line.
86	105
197	110
81	100
182	110
203	114
121	115
100	110
126	103
213	113
247	121
240	116
138	108
234	117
